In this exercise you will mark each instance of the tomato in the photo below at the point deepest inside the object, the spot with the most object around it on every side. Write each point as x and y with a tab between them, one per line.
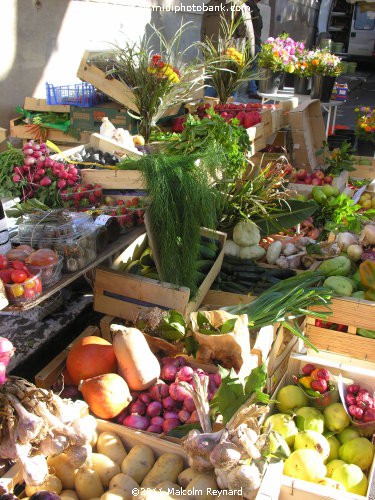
17	290
5	275
18	276
4	262
29	293
37	284
19	265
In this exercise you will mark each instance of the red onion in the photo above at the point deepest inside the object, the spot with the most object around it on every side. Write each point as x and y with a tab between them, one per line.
170	414
177	392
189	404
154	409
3	377
193	418
185	374
178	361
136	422
155	428
169	403
170	424
119	419
70	391
183	415
181	361
145	398
168	372
159	391
157	421
137	407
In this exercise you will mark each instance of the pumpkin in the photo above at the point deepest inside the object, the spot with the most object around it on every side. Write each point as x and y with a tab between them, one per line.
89	357
136	362
107	395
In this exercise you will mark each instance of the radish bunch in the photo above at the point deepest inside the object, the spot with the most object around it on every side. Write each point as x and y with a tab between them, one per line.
167	404
42	177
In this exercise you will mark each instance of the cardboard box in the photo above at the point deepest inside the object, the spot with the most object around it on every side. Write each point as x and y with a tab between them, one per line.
91	118
308	133
124	295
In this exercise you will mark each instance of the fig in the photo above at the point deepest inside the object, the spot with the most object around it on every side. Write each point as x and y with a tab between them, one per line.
335	417
309	419
305	464
358	451
352	478
290	398
313	441
284	425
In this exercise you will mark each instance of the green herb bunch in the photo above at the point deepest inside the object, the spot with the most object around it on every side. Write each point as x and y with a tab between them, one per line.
339	160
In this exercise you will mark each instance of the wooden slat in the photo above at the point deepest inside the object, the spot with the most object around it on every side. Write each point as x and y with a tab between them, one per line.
35	104
222	299
51	372
19	129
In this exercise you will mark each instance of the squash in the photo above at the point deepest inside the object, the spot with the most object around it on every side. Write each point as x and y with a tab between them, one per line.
89	357
107	395
136	362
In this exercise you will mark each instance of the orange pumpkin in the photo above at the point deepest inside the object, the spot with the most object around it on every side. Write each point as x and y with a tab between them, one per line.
107	395
89	357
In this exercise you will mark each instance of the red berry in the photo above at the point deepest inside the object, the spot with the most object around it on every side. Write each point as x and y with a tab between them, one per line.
307	369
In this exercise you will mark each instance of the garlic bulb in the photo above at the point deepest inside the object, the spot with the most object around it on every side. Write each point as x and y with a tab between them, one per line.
35	469
53	445
246	478
225	455
77	455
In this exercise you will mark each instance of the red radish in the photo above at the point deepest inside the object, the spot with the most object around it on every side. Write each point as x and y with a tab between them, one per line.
159	391
46	181
155	428
145	398
18	170
16	178
170	424
37	154
29	161
189	404
137	407
185	374
48	162
169	403
157	421
177	392
168	372
170	414
355	412
183	415
28	151
36	147
61	184
154	409
136	422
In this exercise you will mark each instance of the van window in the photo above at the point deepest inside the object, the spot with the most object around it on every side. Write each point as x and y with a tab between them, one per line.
364	20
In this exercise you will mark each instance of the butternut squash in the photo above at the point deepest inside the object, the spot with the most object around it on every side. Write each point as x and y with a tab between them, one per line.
136	363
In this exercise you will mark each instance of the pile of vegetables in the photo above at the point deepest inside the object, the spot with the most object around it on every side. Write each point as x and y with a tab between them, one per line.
36	423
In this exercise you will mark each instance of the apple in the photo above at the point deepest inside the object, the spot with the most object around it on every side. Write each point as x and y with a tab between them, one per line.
301	174
323	373
308	179
319	385
328	179
316	182
318	174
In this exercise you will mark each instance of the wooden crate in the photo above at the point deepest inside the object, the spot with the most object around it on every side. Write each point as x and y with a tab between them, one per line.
363	171
3	139
35	104
51	372
267	122
19	129
338	182
355	313
297	489
276	119
257	137
286	107
124	295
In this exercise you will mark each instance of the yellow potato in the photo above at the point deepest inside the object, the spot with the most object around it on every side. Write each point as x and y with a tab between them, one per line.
186	476
167	468
116	494
88	484
68	495
111	445
104	466
205	484
174	488
123	482
61	467
51	483
138	462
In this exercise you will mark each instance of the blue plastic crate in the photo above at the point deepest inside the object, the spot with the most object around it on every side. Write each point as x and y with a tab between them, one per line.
83	95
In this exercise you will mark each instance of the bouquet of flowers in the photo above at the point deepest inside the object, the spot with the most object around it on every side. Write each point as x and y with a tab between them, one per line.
365	126
280	54
322	62
302	68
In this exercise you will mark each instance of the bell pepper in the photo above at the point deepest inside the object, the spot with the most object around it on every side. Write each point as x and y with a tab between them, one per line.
306	382
367	272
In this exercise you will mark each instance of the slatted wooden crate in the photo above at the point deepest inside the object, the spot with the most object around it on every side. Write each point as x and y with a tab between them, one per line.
364	168
36	104
20	130
3	139
354	313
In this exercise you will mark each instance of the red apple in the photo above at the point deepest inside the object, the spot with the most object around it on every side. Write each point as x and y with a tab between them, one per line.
328	179
319	385
308	179
308	369
301	174
316	182
318	174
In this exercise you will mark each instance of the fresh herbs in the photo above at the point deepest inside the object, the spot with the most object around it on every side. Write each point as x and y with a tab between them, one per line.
339	160
183	199
233	393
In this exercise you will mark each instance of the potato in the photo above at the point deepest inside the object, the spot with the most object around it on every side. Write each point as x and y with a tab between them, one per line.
138	462
116	494
88	484
186	476
123	482
104	466
167	468
111	445
94	439
201	483
51	483
168	486
68	495
61	467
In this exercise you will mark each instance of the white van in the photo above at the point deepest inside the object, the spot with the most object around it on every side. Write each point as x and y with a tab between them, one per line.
351	27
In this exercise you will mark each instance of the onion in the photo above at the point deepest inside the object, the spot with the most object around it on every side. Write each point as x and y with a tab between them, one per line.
42	257
170	424
154	409
145	398
137	407
189	404
153	428
157	421
344	240
169	403
168	372
122	415
6	350
17	254
159	391
183	415
177	392
136	422
193	418
354	252
45	495
3	376
71	392
170	414
185	374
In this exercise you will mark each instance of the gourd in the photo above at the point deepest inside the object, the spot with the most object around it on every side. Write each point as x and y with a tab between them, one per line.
107	395
89	357
136	363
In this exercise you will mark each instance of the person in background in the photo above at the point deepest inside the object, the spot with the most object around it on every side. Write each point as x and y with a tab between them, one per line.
212	20
257	27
